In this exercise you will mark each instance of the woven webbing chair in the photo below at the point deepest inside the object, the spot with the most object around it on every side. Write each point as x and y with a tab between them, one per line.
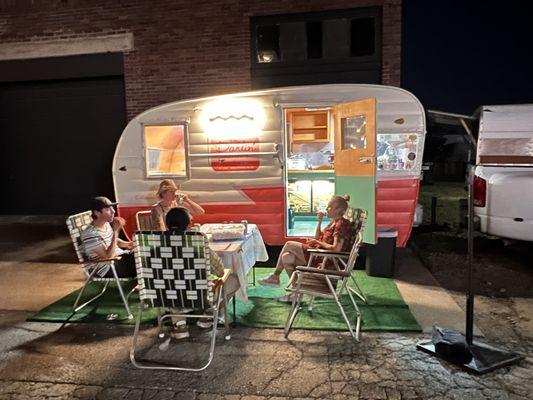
329	283
144	220
174	271
76	224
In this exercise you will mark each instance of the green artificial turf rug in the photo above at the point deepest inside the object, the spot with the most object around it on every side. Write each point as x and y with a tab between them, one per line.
385	311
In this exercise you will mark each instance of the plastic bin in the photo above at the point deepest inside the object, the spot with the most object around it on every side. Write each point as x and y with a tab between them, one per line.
380	256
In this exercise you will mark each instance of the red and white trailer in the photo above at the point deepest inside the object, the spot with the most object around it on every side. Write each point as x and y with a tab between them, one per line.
274	157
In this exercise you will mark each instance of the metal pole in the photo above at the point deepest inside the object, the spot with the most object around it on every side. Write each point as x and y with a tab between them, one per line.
433	211
470	290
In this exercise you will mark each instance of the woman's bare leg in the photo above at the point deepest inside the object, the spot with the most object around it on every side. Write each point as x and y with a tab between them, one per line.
290	256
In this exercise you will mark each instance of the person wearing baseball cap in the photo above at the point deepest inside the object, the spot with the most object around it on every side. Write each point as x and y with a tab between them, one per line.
169	198
101	240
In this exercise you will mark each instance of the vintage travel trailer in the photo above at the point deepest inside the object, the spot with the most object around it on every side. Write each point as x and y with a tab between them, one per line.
275	157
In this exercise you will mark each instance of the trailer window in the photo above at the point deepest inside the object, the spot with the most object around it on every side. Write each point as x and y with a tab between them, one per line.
397	152
353	132
165	149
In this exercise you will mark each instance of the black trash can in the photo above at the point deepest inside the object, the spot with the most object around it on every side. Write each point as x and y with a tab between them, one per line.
380	256
360	263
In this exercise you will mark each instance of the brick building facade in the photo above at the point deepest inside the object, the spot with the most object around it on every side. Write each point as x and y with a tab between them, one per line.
172	49
73	72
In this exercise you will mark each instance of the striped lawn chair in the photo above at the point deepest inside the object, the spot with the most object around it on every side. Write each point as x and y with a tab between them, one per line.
76	224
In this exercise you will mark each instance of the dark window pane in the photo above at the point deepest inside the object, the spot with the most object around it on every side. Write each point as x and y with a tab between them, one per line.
362	37
268	43
314	39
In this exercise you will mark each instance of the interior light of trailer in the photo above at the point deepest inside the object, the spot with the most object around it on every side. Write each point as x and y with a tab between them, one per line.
233	118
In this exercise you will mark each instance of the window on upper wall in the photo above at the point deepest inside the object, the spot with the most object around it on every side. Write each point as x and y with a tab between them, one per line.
362	37
314	39
268	43
165	150
335	46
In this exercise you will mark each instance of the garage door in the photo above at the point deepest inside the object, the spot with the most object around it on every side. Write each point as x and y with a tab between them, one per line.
57	140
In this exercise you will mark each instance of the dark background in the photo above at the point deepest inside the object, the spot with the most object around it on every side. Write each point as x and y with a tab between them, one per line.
458	55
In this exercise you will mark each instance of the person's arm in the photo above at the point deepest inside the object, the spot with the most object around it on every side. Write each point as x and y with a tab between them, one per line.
193	208
124	244
340	233
320	218
109	252
336	246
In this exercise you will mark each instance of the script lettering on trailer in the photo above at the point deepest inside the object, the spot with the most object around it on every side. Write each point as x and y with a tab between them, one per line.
219	147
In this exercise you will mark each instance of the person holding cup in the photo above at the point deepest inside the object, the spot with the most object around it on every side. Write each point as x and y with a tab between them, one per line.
336	236
101	241
169	198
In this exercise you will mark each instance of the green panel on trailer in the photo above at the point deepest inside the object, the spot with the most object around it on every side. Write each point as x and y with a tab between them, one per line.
362	191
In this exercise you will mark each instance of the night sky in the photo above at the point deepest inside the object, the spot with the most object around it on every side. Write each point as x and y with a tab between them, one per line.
458	55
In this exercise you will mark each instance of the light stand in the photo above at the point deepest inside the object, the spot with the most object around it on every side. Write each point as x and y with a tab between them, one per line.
485	358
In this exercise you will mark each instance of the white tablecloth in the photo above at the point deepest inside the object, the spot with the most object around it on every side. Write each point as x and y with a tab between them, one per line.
240	255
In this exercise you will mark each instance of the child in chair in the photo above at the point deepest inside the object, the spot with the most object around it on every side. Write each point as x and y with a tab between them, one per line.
177	221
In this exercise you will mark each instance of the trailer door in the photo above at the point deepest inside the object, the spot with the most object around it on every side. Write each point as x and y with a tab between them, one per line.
355	158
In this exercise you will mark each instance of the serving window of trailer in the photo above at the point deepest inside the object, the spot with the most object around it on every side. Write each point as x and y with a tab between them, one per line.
165	150
398	152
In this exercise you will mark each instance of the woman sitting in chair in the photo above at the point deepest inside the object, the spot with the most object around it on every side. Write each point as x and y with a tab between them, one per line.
336	236
170	198
178	220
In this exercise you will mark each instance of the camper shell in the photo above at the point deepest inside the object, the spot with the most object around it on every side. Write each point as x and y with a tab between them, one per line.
274	157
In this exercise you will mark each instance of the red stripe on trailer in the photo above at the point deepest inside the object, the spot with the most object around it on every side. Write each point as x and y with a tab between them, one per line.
396	204
267	210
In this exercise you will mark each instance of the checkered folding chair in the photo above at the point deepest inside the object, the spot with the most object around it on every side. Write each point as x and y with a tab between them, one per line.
76	224
174	271
329	283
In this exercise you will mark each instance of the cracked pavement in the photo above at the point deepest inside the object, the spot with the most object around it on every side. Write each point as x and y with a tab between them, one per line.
91	361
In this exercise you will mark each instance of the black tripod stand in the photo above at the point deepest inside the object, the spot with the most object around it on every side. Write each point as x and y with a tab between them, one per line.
485	358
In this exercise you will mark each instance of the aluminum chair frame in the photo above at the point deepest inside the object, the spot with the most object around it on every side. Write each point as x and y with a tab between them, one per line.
357	217
75	230
141	216
220	295
344	274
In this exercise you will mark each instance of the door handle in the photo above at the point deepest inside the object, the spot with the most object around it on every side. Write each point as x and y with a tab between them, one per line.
367	160
279	153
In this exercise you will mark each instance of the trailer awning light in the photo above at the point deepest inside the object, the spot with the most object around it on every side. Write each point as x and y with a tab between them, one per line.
233	118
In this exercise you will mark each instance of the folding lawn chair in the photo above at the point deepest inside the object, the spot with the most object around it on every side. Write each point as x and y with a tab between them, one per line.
174	271
329	283
76	224
144	220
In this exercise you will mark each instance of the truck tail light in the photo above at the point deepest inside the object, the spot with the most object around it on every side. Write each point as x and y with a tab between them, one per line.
480	191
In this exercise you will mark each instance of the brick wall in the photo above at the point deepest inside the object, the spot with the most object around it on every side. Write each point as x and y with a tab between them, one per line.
182	48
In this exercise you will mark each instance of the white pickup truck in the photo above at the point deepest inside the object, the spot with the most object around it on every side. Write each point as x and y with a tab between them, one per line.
503	174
